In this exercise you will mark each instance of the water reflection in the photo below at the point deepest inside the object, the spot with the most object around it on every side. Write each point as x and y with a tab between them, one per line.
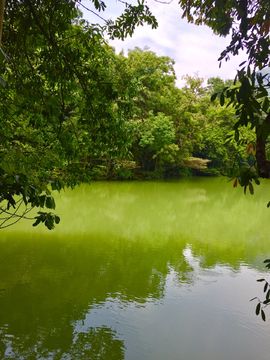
59	344
126	258
48	285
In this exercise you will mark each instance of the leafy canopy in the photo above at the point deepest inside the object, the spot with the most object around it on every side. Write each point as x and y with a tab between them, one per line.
62	98
65	93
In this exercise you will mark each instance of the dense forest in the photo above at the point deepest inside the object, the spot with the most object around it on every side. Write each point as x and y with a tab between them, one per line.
169	131
72	110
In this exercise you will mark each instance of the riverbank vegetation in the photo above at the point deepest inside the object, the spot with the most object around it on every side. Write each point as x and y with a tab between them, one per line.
73	110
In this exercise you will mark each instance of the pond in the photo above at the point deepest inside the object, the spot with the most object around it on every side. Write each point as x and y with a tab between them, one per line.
137	271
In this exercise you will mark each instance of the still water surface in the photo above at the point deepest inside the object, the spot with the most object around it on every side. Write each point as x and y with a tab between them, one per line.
138	271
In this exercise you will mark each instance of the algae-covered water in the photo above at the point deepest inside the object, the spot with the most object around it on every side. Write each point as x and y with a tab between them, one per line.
139	270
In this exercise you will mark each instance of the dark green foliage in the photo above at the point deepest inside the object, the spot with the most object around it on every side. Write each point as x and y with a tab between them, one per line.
266	289
247	22
62	100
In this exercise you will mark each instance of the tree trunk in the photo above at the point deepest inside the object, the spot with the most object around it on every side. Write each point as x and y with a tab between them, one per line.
262	163
84	162
2	7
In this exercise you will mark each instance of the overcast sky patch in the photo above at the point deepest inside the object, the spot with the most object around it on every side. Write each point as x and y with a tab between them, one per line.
195	49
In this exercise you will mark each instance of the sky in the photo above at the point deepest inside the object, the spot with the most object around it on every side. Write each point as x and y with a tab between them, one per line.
195	49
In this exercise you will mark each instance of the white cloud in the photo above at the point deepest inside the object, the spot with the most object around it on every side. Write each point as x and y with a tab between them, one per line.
195	49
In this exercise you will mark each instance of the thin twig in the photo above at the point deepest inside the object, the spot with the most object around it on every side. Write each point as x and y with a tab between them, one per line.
93	12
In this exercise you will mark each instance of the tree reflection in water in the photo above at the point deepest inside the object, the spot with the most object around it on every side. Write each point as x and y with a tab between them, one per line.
97	343
51	284
137	237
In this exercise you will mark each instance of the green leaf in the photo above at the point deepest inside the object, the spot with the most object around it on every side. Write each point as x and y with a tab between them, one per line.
50	204
222	99
242	63
262	94
214	96
260	280
49	224
42	199
263	315
258	308
37	221
265	104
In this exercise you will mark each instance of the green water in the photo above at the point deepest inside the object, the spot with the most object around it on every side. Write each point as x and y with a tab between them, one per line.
139	270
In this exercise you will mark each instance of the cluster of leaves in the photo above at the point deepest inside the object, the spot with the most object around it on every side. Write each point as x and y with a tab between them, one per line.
245	178
132	16
62	99
250	99
266	289
24	189
158	136
249	96
126	23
